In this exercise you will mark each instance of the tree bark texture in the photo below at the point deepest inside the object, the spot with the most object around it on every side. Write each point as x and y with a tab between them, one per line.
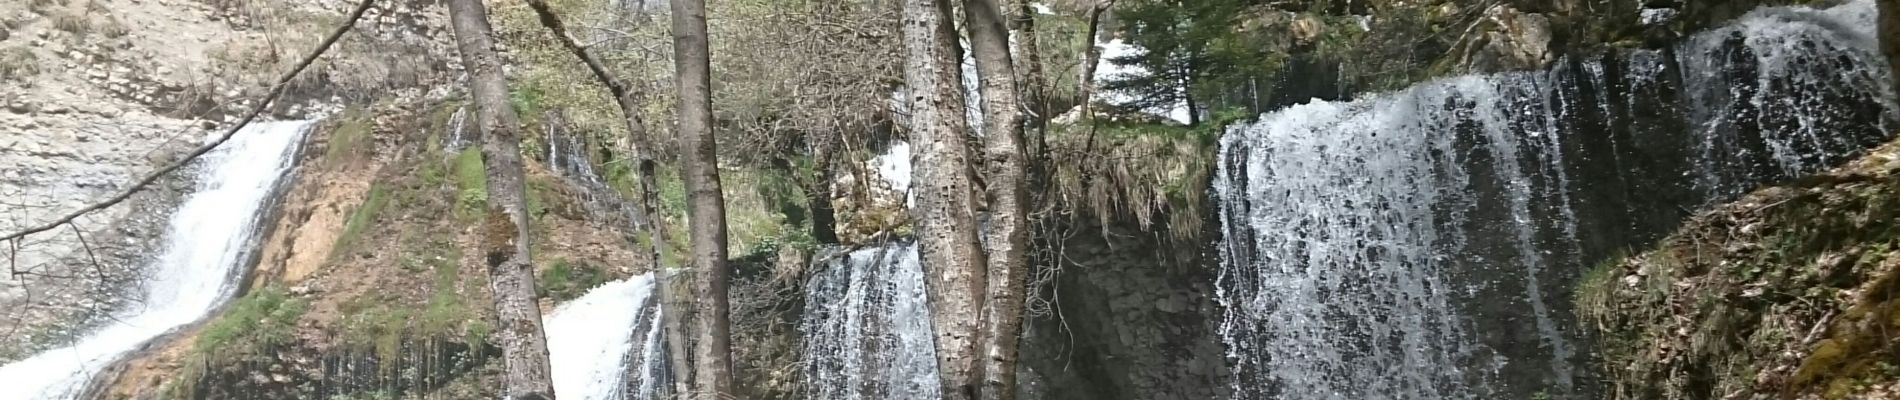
712	354
1006	240
505	241
944	211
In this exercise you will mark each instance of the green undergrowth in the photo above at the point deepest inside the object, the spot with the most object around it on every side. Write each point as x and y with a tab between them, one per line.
252	324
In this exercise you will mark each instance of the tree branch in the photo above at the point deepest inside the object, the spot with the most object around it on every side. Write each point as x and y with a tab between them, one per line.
275	91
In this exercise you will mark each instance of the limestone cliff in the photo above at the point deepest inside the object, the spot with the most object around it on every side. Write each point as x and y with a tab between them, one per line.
94	93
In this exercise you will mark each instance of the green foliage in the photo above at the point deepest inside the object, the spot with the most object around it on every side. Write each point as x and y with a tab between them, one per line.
1190	47
361	220
526	99
254	322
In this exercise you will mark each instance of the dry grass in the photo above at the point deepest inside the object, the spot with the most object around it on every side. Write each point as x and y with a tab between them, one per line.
74	23
18	63
112	28
1135	174
40	6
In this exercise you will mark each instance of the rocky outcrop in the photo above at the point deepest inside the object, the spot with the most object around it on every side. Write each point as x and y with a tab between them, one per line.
1787	293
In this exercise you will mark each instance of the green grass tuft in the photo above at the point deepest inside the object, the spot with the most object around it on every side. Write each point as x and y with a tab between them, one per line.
471	183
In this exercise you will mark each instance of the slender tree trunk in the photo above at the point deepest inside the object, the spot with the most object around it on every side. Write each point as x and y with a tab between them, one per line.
1029	67
944	211
824	216
1006	242
1187	97
673	303
1091	55
678	308
699	161
505	241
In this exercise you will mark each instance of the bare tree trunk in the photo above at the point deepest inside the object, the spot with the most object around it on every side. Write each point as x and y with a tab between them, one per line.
699	159
505	241
1006	241
824	215
1091	55
944	210
673	303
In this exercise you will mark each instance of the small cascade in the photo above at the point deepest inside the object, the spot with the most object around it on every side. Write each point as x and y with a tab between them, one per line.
457	137
867	328
1421	244
211	237
593	339
605	345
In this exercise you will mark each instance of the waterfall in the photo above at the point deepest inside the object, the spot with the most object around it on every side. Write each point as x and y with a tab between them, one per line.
457	131
592	338
867	328
1421	244
210	238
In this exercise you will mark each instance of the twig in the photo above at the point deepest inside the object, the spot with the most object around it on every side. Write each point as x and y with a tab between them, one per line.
90	255
275	91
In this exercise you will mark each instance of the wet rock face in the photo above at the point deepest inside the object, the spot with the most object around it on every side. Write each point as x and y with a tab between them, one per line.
1132	316
440	369
1890	33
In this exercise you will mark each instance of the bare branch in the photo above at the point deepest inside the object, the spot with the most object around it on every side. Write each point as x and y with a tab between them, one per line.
275	91
90	255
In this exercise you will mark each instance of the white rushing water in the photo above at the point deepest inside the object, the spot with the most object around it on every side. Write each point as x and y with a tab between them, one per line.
1415	244
867	328
591	341
212	234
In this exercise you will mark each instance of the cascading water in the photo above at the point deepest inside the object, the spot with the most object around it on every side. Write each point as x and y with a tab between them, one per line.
592	342
867	328
212	235
591	339
1421	244
457	131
